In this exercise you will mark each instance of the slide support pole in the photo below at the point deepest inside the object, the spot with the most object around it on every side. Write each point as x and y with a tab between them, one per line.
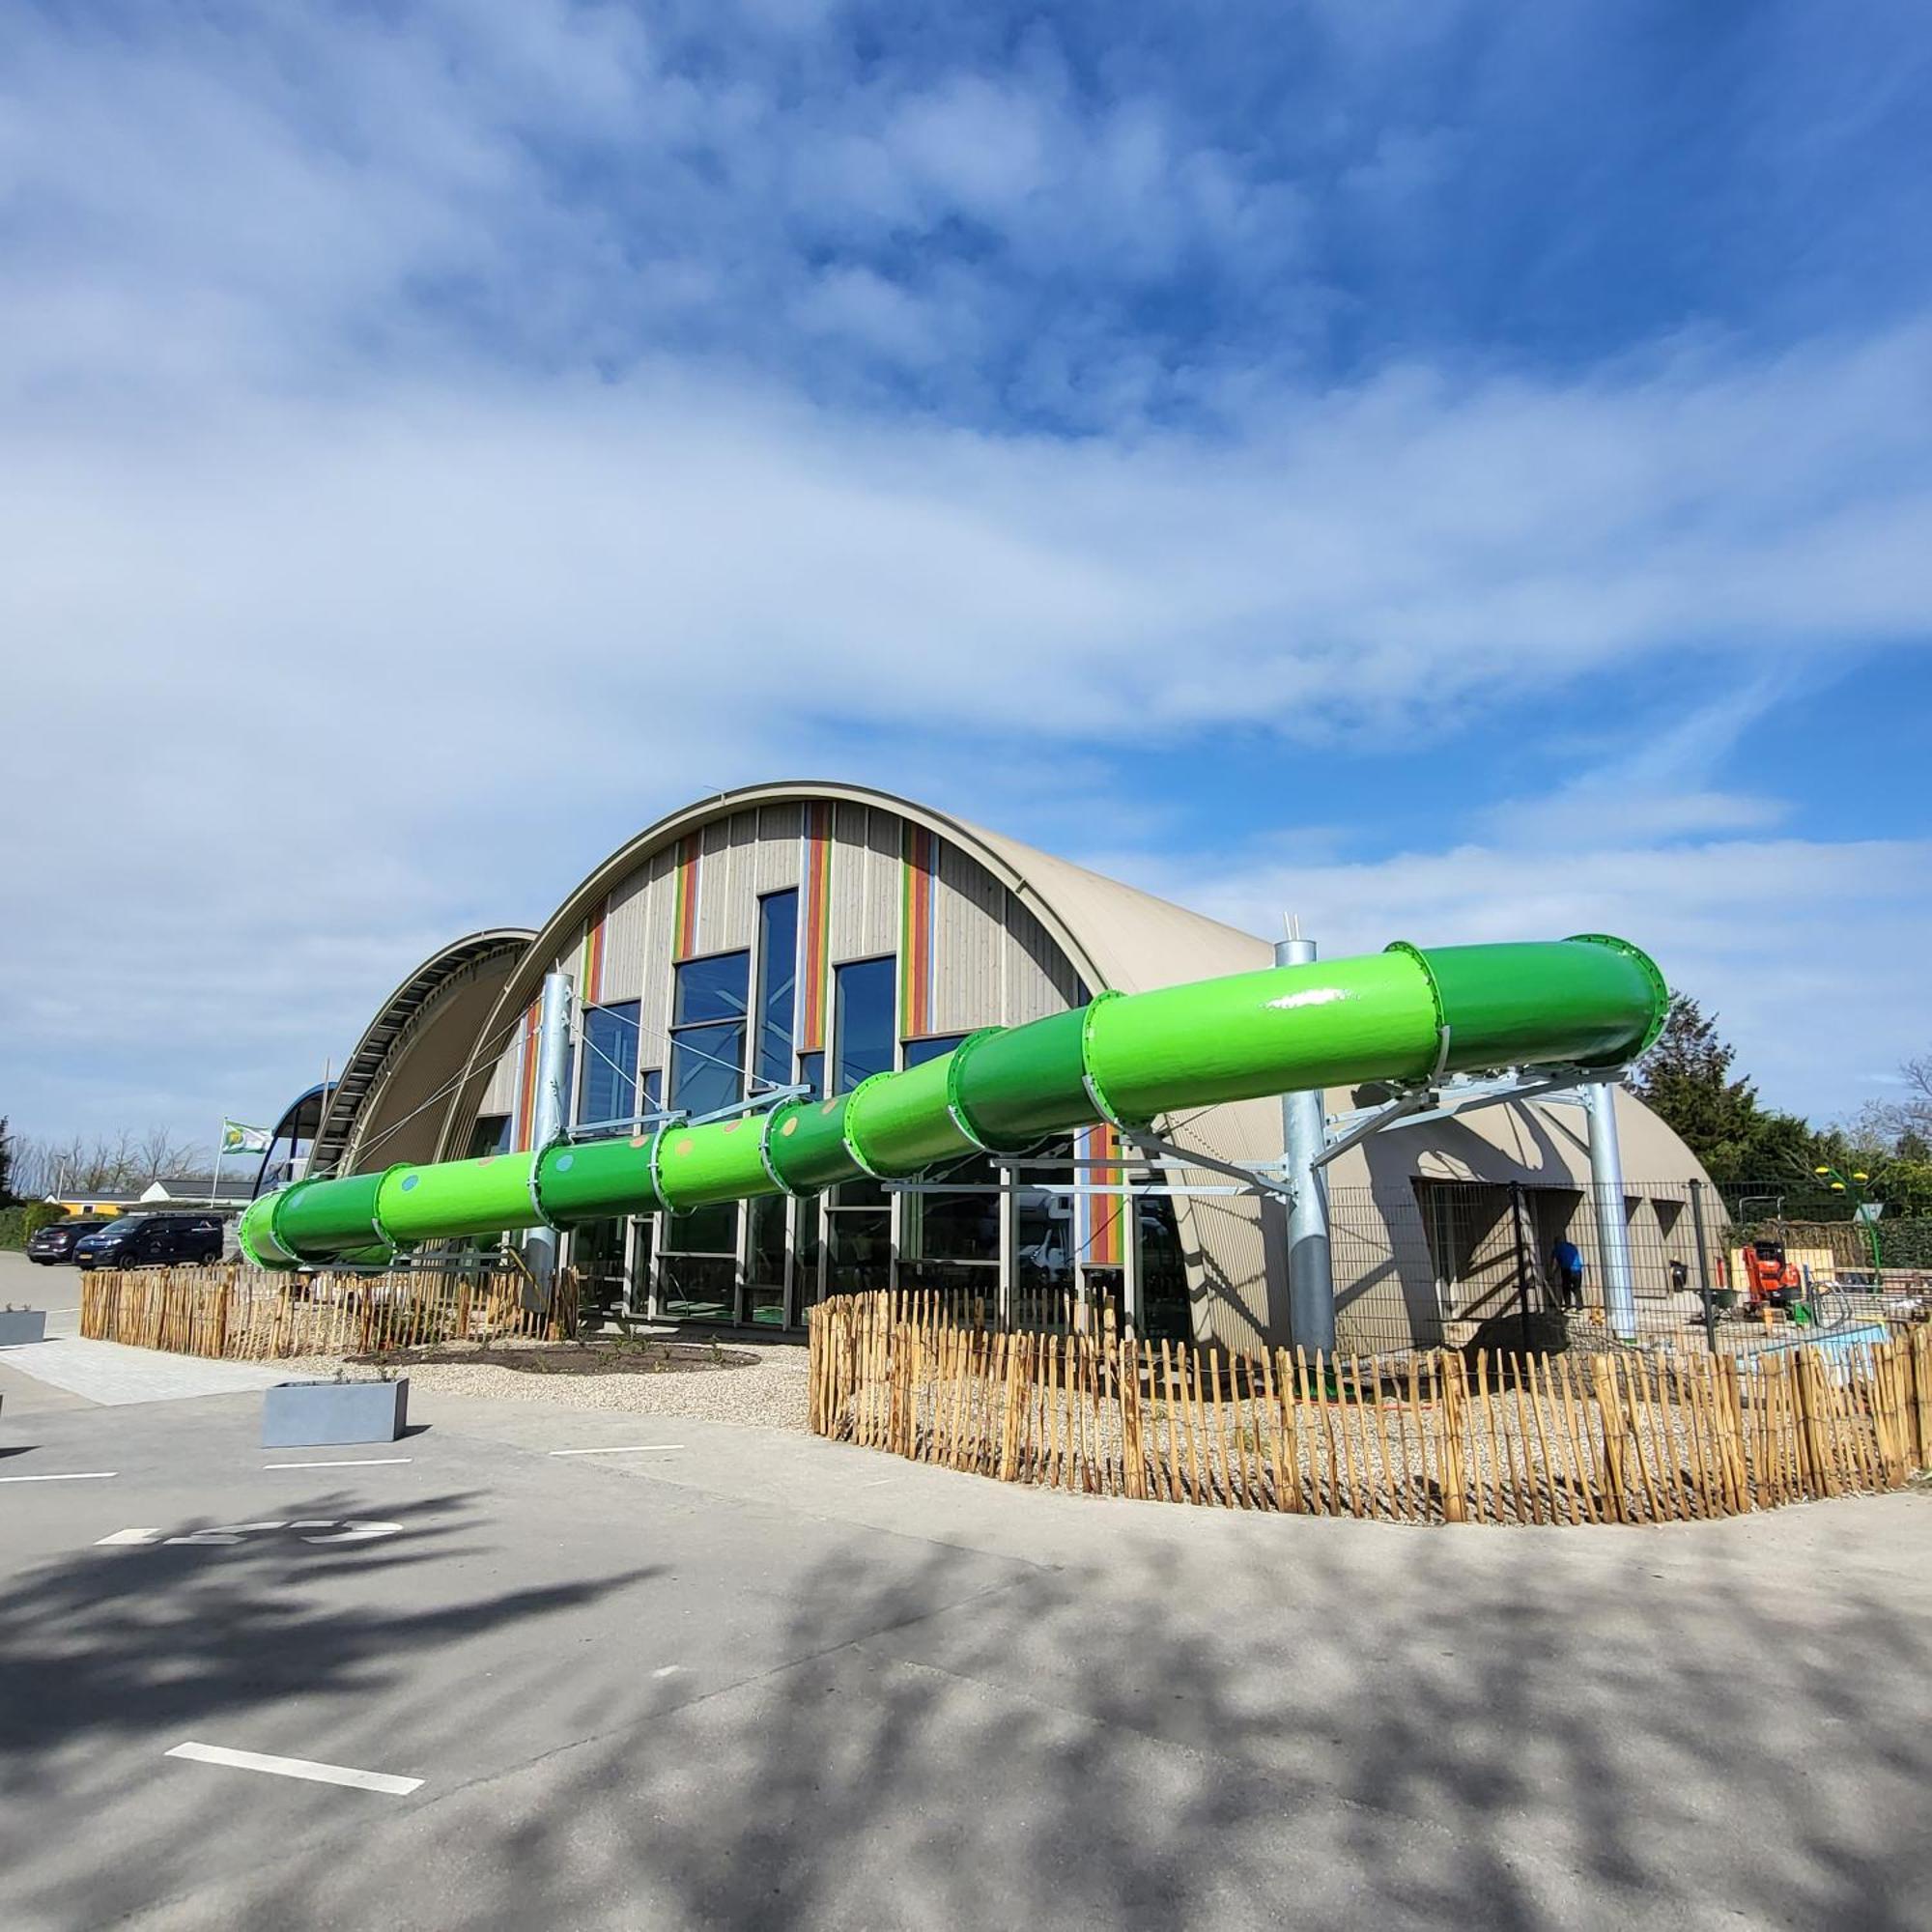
1606	1187
1311	1273
547	1124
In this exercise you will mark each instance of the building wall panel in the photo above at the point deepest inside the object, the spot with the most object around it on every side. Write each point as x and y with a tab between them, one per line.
656	927
775	863
725	895
622	966
1038	977
969	941
866	878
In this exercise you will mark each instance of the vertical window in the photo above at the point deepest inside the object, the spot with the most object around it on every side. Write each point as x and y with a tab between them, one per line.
489	1135
708	1018
609	1082
778	985
765	1281
699	1268
951	1238
858	1213
651	1095
863	1020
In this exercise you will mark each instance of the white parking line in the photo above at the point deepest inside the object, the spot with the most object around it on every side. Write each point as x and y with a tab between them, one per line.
618	1449
128	1536
297	1767
66	1477
348	1462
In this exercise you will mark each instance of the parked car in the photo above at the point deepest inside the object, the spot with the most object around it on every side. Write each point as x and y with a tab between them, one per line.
54	1243
150	1241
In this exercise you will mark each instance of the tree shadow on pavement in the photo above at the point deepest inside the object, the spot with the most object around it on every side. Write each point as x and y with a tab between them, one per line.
109	1655
1288	1723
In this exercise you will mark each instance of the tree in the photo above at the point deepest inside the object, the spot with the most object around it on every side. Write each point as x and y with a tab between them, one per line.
1686	1078
6	1164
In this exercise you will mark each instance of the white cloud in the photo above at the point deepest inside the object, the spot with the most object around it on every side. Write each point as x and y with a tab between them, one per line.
1811	952
393	524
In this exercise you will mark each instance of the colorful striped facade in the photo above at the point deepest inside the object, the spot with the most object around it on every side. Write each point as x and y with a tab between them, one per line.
919	932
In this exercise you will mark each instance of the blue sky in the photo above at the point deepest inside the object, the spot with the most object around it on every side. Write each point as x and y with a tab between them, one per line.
1450	471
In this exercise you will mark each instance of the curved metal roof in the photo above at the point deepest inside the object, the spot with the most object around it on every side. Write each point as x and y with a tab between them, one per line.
363	1069
1114	934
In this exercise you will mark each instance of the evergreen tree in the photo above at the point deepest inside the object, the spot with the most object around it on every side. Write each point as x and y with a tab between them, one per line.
1687	1079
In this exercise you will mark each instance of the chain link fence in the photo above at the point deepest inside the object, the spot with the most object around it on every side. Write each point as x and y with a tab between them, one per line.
1455	1264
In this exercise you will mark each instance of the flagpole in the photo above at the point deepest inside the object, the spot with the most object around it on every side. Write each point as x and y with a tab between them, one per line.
214	1186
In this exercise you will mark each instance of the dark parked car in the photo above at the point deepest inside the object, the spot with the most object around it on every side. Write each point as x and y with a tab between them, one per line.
54	1243
150	1241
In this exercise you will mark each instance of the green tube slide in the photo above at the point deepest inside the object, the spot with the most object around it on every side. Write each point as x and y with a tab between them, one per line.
1129	1058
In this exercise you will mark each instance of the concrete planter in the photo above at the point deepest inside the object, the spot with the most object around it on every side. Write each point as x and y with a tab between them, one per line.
22	1325
305	1415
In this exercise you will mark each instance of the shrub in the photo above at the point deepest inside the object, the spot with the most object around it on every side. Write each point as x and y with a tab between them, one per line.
19	1225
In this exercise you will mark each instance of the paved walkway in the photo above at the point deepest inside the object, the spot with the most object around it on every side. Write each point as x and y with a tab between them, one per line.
107	1372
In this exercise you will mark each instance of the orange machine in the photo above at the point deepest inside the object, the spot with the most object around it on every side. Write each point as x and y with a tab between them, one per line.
1770	1280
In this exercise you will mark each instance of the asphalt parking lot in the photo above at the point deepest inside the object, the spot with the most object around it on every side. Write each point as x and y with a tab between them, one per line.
710	1675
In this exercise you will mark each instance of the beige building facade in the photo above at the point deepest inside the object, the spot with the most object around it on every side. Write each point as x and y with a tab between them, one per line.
810	934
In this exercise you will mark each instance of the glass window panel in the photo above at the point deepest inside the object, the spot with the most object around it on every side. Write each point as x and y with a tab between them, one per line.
652	1099
860	1250
597	1254
952	1227
711	989
1164	1306
703	1231
778	985
699	1288
489	1135
1043	1276
610	1062
919	1051
704	1067
811	1073
645	1226
764	1295
863	1020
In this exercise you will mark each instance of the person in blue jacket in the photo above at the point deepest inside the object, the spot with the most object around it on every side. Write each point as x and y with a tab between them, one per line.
1566	1261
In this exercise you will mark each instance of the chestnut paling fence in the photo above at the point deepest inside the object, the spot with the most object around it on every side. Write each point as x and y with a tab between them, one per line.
242	1314
1630	1438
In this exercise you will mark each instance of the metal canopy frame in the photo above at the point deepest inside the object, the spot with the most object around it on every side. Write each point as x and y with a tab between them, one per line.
1430	1101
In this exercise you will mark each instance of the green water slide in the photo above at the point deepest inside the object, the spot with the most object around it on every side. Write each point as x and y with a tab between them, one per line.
1129	1058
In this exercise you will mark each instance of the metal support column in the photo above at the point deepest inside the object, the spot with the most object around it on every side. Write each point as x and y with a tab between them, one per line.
1699	1236
1311	1273
546	1121
1607	1192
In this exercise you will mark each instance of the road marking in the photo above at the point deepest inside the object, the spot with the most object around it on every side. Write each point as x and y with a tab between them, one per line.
349	1462
619	1449
224	1532
67	1476
225	1535
297	1767
666	1670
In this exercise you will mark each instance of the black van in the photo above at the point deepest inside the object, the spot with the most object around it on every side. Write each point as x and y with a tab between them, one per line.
150	1241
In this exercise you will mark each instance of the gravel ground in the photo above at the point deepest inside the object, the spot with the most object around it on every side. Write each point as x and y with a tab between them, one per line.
772	1395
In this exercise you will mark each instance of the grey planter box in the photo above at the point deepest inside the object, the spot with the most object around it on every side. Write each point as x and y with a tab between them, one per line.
305	1415
22	1325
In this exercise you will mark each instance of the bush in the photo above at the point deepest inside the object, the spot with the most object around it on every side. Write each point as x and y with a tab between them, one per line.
19	1225
1906	1243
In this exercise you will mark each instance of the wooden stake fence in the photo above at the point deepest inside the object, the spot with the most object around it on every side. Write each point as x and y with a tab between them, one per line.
240	1314
1501	1439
